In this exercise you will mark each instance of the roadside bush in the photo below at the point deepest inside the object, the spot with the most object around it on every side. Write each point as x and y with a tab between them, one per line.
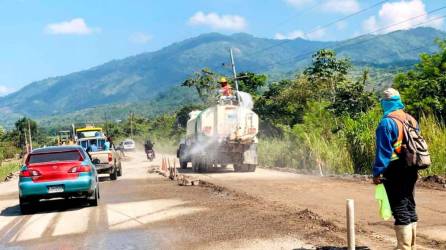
7	168
359	135
434	132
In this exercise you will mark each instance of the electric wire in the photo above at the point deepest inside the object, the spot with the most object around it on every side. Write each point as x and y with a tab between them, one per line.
320	27
365	40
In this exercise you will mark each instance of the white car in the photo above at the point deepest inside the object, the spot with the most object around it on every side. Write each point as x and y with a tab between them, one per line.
128	145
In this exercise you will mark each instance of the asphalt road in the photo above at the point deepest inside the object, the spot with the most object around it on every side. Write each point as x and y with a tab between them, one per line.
125	218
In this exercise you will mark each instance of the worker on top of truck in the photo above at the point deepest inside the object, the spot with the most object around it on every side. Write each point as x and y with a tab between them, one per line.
225	88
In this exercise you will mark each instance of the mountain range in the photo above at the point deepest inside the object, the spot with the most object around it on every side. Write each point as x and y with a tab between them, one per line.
151	77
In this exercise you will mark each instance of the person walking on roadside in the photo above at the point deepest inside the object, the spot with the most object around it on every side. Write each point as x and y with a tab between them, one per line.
391	169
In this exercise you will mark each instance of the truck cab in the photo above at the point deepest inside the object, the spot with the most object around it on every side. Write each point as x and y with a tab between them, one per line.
106	159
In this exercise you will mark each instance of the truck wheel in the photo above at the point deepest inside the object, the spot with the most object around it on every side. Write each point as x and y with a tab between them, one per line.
195	166
252	168
114	174
237	168
183	164
120	170
244	168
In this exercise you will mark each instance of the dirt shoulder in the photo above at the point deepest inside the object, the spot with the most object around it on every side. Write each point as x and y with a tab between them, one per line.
324	198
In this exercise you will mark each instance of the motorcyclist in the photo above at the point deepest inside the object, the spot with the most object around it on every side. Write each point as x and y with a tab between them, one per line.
148	147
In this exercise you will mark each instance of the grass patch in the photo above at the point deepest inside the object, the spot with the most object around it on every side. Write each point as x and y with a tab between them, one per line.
7	168
435	134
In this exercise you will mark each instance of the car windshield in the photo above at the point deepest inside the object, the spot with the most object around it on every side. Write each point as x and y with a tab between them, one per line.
128	143
55	156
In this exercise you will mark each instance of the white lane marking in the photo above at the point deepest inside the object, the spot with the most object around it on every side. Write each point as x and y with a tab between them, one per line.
34	227
134	214
72	222
6	220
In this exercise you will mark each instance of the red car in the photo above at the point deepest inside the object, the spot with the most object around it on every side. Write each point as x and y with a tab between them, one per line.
55	172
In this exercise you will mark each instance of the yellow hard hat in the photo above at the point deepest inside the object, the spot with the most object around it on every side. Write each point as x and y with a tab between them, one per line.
223	79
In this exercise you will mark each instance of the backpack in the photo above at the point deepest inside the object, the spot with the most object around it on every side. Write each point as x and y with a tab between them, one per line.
414	149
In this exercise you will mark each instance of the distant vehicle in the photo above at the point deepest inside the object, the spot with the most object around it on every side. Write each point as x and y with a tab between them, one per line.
89	132
128	145
65	137
106	159
55	172
220	135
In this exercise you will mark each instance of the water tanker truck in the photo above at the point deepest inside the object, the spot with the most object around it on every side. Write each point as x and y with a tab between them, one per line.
221	135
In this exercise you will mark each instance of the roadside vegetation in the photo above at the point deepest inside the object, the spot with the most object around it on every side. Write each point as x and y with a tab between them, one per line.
8	167
327	120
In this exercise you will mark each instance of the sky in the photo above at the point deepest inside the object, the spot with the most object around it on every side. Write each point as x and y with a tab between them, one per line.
47	38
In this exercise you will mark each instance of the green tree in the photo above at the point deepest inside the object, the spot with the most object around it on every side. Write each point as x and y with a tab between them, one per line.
251	83
279	105
352	98
205	83
423	89
23	126
326	72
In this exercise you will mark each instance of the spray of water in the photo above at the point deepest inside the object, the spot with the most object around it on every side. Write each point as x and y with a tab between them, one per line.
246	100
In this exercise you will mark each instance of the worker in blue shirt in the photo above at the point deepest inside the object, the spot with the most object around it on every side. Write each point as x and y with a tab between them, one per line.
391	169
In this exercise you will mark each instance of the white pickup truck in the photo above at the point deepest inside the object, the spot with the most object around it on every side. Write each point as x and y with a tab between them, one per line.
106	160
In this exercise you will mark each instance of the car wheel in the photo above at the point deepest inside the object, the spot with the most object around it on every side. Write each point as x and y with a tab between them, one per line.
93	199
25	206
114	174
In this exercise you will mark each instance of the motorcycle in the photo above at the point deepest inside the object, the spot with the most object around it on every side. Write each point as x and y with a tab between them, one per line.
150	154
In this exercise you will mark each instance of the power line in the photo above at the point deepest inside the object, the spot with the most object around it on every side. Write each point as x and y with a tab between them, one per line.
321	27
301	13
365	40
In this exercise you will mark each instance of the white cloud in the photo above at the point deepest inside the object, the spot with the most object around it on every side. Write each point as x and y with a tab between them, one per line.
399	12
5	90
292	35
76	26
216	21
343	7
342	25
298	3
336	6
140	38
370	24
317	34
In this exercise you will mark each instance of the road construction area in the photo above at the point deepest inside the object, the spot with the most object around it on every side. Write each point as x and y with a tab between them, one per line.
266	209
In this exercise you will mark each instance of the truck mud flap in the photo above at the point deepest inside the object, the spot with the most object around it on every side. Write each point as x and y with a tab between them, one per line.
250	155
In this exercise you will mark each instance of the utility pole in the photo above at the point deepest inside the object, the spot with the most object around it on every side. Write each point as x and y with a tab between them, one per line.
26	141
235	73
106	122
30	137
131	125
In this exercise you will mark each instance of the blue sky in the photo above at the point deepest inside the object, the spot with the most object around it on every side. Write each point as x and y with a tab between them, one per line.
41	39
